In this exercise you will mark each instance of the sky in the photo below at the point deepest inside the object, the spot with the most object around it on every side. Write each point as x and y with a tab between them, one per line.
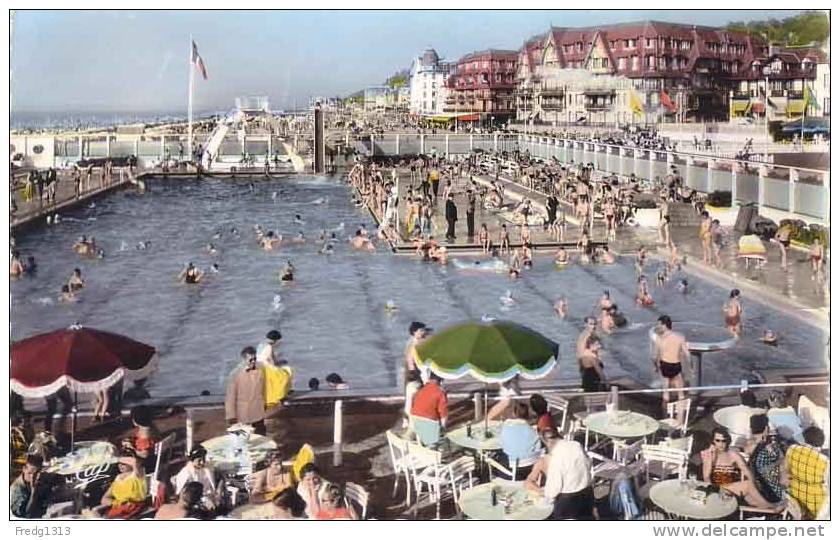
121	61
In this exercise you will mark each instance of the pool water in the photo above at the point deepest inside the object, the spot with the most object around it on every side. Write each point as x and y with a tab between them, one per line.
332	316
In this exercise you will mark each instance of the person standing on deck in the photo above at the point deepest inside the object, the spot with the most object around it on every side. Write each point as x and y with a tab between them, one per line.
245	394
451	217
671	349
470	214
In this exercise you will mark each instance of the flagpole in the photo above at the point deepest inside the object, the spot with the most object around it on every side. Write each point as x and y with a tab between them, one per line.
190	103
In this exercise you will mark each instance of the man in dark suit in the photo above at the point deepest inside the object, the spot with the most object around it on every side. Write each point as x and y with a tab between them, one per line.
470	214
451	217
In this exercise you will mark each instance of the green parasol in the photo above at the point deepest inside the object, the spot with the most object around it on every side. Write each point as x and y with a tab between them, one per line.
492	352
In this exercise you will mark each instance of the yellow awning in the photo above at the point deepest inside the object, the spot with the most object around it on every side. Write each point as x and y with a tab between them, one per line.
795	107
740	105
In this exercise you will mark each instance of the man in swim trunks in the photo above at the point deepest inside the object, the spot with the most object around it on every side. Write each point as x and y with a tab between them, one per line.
670	349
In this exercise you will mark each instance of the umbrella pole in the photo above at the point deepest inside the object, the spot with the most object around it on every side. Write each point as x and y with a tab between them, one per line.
73	421
486	422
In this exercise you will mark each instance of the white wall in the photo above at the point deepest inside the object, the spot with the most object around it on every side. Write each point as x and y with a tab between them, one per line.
26	144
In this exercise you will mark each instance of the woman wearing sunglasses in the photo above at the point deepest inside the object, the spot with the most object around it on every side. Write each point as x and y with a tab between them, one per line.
724	467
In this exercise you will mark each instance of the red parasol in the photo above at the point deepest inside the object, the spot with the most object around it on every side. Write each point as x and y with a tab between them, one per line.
83	359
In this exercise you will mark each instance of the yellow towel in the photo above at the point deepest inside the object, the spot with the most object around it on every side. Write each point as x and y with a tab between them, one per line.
278	382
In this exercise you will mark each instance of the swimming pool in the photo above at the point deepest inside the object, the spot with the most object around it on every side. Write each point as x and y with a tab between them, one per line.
332	316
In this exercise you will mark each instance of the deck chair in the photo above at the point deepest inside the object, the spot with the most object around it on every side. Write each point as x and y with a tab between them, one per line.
356	494
674	408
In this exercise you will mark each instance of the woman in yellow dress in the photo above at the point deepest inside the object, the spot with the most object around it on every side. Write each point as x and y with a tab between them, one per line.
127	494
278	379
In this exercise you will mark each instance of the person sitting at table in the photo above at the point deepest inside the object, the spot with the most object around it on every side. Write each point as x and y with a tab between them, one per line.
520	442
197	470
269	482
808	470
766	459
536	478
507	390
288	505
540	407
143	440
568	481
724	467
188	505
29	494
333	506
126	496
430	401
310	483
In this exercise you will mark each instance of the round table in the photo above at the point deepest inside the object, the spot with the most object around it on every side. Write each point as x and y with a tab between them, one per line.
476	502
675	498
95	455
701	338
478	440
253	511
226	451
621	424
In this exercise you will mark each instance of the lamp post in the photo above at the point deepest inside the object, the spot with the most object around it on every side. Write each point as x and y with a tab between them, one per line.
767	70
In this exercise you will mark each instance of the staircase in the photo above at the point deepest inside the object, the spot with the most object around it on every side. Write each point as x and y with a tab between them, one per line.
212	146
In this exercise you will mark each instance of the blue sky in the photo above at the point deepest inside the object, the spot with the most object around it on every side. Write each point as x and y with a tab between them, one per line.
97	61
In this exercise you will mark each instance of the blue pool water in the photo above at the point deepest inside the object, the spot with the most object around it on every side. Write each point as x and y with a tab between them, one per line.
332	316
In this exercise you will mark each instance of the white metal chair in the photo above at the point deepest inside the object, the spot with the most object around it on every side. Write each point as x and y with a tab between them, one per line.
163	449
560	405
426	470
354	493
509	472
663	461
398	448
674	408
593	403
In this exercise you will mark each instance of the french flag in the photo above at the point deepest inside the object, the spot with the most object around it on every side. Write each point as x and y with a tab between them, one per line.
197	61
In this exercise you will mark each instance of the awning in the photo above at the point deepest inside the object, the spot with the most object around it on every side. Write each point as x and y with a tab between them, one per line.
740	105
598	92
474	117
795	107
758	107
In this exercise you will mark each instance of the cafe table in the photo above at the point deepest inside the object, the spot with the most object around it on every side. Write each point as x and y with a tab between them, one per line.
477	437
680	499
513	502
89	456
238	452
620	426
253	511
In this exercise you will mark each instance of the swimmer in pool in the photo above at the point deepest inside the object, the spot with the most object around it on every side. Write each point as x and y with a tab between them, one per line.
288	272
217	235
143	246
215	268
605	302
269	241
391	307
299	220
15	266
561	307
604	256
770	338
732	312
682	286
66	295
82	246
76	282
507	298
31	266
561	258
661	277
211	249
100	253
361	242
643	297
326	249
299	238
190	274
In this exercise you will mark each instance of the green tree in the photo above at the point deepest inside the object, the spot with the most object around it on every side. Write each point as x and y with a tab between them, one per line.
803	29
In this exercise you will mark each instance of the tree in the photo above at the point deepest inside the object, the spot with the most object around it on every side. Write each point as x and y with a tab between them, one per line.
803	29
